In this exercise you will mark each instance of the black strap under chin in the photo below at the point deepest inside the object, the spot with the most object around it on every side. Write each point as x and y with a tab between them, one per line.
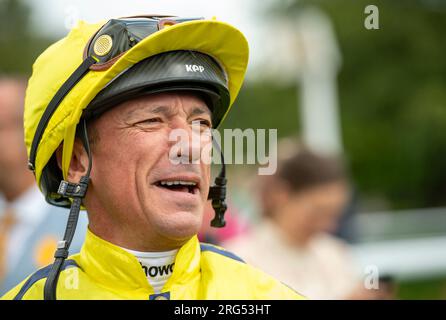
217	193
77	192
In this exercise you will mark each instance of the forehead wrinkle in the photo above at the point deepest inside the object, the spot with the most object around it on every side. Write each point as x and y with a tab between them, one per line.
166	109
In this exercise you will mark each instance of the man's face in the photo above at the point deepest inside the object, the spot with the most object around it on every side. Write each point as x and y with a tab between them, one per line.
135	179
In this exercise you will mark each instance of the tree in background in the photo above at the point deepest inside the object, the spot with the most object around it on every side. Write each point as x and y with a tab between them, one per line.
392	90
19	45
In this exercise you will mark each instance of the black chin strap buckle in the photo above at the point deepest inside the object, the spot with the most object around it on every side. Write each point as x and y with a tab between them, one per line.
62	250
218	195
74	190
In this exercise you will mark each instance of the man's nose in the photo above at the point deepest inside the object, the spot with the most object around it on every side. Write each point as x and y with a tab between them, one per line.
185	143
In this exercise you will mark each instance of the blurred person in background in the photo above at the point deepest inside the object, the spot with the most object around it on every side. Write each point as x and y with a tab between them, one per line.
302	206
29	227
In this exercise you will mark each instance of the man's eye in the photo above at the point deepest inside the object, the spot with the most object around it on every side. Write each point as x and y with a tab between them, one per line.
203	122
151	120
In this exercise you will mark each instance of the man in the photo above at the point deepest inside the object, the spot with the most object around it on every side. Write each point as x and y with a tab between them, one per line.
302	205
101	108
29	227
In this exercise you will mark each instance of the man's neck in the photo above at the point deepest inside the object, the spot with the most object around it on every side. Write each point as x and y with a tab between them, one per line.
130	239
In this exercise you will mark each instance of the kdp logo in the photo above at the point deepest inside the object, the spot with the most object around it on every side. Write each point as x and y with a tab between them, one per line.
194	68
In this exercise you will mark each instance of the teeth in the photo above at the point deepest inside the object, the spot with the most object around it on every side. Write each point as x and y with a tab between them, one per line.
177	182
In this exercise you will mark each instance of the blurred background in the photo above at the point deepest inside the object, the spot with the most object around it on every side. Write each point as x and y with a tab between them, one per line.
374	98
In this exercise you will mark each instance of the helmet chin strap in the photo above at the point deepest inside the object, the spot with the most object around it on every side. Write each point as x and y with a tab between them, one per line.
77	192
217	193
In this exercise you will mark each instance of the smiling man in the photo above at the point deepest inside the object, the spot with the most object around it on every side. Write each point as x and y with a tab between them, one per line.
101	108
167	199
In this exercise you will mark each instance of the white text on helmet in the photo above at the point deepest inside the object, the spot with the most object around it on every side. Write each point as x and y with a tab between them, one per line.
194	68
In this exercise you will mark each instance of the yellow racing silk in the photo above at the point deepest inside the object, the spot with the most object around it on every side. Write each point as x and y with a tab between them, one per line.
202	271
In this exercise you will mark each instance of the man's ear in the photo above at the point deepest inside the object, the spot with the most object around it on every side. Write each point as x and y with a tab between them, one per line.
78	163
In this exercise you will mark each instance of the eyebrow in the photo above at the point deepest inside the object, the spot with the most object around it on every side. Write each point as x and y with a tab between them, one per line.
196	111
167	110
156	110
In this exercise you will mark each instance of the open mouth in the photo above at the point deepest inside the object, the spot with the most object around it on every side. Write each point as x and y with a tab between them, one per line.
179	186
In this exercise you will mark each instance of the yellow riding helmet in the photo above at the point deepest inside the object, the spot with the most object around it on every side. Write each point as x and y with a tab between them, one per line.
70	75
